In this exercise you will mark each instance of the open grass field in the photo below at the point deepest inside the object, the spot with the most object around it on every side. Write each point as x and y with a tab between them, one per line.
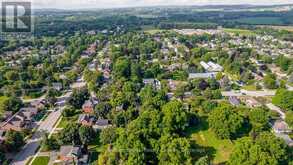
151	29
239	31
288	28
261	20
219	149
41	160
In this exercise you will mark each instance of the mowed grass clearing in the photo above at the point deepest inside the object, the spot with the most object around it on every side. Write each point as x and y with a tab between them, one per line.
239	31
219	149
41	160
151	29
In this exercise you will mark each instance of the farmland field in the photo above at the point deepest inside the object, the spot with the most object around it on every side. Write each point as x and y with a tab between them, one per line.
260	20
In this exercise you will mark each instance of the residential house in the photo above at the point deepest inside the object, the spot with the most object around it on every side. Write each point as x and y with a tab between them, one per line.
234	101
57	86
21	120
88	107
252	103
281	127
202	75
71	155
172	84
39	104
152	82
101	124
6	115
170	96
211	66
79	83
86	120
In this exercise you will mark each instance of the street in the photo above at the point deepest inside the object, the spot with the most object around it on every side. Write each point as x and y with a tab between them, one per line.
276	109
243	93
33	144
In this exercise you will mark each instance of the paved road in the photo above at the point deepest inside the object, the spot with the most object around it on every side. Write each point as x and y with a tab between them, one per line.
290	88
285	137
32	145
243	93
276	109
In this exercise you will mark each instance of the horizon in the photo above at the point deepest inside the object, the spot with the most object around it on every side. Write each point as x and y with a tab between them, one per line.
114	4
162	6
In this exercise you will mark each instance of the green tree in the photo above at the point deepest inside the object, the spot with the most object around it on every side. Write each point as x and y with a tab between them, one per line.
270	81
108	135
68	111
10	104
203	161
12	75
175	118
13	141
86	134
175	151
122	68
259	119
225	122
49	144
289	118
102	110
284	99
52	96
78	97
70	135
265	149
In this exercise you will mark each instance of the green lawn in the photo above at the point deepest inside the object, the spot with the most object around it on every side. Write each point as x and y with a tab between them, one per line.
239	31
66	120
41	160
250	87
150	29
204	138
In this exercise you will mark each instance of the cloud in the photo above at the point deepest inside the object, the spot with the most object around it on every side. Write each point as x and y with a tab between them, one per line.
131	3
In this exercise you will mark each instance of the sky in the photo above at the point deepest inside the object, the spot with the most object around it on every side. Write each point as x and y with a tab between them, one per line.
80	4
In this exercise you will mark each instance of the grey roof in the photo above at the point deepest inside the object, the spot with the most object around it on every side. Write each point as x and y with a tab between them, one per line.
202	75
234	100
69	150
86	117
102	122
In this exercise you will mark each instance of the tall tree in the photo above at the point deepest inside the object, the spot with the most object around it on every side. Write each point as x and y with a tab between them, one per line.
175	118
265	149
174	151
225	122
13	141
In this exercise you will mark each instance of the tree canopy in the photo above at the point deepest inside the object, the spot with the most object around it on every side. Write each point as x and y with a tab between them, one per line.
225	122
